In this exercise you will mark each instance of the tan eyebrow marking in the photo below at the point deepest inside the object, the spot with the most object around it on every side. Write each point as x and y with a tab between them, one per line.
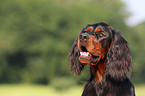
90	28
97	29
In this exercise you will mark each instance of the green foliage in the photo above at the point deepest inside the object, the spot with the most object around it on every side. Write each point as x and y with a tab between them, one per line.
138	55
36	36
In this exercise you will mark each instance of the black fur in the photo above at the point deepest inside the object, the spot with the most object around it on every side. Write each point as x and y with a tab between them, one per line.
115	80
75	65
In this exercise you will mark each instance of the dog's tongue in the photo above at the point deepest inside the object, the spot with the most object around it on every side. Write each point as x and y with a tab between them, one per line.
84	57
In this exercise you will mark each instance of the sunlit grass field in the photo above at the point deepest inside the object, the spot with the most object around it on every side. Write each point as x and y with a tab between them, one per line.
41	90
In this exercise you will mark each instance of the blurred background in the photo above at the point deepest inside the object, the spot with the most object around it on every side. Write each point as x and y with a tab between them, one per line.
36	36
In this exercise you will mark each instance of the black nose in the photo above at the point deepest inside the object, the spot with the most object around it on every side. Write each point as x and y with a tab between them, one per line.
84	37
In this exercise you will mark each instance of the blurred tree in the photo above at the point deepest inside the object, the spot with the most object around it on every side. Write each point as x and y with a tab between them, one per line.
138	46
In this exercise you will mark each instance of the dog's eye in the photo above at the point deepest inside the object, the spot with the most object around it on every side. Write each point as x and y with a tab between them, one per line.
85	31
101	34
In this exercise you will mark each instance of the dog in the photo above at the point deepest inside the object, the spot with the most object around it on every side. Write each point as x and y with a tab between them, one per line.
107	53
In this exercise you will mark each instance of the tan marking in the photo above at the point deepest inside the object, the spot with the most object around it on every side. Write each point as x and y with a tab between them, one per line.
99	71
90	28
97	29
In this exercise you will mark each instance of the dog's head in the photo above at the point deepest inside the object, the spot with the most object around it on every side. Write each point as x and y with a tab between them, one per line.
100	42
93	43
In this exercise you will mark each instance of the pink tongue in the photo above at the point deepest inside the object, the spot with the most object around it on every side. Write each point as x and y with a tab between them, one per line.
88	56
85	55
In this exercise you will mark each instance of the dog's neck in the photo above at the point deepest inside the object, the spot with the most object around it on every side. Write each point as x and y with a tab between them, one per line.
98	70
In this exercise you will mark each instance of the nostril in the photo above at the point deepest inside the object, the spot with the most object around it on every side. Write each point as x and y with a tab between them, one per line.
85	37
80	36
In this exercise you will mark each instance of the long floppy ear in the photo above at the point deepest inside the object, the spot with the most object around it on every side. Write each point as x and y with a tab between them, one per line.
119	61
75	65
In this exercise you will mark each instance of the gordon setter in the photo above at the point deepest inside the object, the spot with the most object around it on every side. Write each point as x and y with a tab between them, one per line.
107	53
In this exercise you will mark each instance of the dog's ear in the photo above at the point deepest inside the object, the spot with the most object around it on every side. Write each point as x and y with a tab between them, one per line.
119	61
75	65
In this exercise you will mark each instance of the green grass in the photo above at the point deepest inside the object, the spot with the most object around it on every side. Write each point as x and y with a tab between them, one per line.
37	90
140	90
40	90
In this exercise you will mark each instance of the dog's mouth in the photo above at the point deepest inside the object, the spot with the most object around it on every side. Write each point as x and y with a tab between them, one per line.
87	57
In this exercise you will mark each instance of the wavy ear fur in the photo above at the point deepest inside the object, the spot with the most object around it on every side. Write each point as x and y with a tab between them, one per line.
119	61
75	65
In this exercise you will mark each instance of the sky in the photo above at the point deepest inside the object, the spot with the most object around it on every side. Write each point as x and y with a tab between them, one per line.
137	9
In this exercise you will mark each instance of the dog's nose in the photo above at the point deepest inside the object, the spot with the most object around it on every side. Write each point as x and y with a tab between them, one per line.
84	37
